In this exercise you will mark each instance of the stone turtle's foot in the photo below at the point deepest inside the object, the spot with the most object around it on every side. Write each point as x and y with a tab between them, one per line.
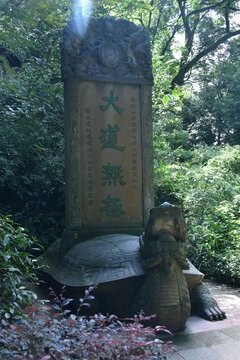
204	305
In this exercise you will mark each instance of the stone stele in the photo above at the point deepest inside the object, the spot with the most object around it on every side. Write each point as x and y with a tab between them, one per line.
108	139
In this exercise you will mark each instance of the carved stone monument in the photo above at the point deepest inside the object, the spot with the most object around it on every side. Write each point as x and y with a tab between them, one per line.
108	140
109	182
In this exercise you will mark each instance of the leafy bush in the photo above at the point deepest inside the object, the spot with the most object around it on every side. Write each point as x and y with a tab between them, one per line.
208	185
32	125
31	150
17	268
212	205
44	337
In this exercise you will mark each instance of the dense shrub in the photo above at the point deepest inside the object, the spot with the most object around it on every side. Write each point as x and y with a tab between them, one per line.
32	125
17	268
40	336
31	151
212	205
208	186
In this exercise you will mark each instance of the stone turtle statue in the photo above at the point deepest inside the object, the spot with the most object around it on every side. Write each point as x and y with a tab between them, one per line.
149	273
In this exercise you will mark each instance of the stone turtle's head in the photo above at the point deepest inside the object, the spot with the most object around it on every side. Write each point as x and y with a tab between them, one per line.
165	218
163	242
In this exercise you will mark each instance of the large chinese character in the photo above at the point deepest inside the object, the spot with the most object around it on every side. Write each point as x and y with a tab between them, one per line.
110	101
113	207
112	175
109	138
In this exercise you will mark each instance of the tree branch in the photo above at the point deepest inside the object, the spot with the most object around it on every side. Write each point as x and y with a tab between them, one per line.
141	22
211	7
179	77
150	16
184	18
156	28
164	49
226	15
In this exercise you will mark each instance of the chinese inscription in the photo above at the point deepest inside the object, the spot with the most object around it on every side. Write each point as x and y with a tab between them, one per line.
112	175
88	130
108	138
111	162
113	207
110	101
134	153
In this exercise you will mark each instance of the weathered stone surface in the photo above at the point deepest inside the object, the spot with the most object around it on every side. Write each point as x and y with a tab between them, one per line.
107	134
115	262
111	50
108	129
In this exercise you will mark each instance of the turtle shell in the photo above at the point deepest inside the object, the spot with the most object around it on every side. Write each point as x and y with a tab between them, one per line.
102	259
98	260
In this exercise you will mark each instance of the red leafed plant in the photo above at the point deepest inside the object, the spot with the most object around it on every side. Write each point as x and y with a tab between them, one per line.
41	336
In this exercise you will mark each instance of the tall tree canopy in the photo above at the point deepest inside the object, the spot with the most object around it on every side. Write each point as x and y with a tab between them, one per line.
212	114
203	25
199	26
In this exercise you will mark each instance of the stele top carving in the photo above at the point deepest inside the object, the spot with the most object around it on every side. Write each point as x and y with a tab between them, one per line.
111	50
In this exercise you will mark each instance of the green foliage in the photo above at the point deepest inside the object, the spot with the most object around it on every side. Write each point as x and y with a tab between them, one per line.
31	151
17	268
211	115
171	142
32	27
212	205
32	125
208	187
203	180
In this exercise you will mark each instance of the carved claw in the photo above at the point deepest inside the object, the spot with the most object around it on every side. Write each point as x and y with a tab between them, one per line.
220	314
204	305
207	314
213	313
